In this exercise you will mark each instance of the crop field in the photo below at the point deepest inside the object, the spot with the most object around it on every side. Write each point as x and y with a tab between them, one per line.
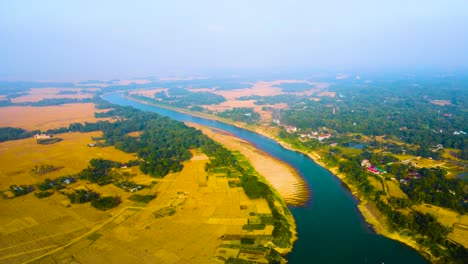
47	117
72	155
37	94
449	218
393	188
185	223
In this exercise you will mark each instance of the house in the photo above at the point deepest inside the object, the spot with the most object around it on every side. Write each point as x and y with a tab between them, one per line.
136	189
42	136
365	163
323	136
291	129
373	169
91	145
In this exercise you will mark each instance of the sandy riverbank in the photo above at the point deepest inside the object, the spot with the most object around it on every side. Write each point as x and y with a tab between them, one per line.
285	179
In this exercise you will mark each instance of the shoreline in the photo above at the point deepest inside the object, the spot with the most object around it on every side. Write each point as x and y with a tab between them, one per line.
228	140
282	176
376	224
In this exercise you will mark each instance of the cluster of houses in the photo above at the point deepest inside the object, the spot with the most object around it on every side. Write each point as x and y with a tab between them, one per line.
461	132
371	168
312	135
130	187
316	135
291	129
411	175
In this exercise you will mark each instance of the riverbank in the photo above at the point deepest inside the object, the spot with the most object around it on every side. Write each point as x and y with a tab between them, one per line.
367	209
284	178
372	217
267	166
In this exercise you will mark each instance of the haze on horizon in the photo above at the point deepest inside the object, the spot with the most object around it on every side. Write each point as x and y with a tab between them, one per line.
59	40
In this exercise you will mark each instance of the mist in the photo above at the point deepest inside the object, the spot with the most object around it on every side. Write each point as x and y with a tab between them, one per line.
64	40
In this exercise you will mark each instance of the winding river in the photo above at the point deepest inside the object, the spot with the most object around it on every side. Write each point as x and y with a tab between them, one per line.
330	227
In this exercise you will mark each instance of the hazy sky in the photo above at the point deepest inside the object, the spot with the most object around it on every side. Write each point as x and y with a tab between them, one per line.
106	39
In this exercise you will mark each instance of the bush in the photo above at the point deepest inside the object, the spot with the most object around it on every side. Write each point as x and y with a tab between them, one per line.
141	198
106	203
45	194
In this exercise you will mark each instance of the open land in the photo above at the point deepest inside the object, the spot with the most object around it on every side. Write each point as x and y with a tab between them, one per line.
261	88
202	208
71	155
48	117
196	218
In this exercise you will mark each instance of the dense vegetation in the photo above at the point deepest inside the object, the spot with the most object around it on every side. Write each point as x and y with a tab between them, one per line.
106	203
46	102
294	87
422	111
98	171
11	133
421	185
242	114
182	98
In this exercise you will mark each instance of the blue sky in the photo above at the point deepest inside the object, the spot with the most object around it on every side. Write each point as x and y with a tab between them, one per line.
119	39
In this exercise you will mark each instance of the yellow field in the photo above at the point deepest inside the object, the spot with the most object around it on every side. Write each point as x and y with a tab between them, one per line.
393	189
205	210
374	182
47	117
53	230
17	157
449	218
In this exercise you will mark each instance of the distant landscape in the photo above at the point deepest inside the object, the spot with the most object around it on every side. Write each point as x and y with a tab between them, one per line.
110	176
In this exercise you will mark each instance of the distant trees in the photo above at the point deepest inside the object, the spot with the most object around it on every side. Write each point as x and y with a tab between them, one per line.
183	98
12	133
242	114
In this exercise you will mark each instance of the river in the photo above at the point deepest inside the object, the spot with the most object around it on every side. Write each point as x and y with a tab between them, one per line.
330	227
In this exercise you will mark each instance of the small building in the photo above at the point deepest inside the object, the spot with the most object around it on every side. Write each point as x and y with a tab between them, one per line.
42	136
91	145
291	129
323	136
365	163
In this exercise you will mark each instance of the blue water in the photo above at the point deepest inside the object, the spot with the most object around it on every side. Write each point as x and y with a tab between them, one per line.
356	145
330	227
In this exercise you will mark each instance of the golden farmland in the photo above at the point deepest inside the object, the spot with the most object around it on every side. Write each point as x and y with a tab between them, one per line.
205	210
194	212
47	117
18	157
